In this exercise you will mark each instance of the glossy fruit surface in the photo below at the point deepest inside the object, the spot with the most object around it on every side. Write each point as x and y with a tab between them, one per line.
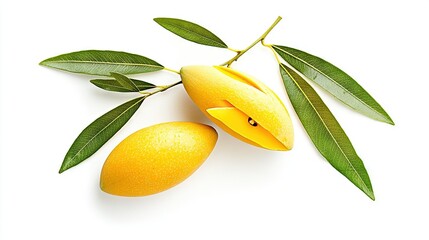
156	158
241	105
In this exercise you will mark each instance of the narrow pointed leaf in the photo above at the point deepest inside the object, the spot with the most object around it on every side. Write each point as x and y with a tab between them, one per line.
125	82
191	31
115	86
102	63
335	81
99	132
324	130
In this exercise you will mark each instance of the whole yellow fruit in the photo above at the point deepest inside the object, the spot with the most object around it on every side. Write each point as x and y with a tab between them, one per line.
241	105
156	158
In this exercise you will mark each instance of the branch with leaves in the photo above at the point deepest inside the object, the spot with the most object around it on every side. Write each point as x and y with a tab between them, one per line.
296	70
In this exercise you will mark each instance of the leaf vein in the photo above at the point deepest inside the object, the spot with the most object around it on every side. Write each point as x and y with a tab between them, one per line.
196	33
112	63
332	80
328	129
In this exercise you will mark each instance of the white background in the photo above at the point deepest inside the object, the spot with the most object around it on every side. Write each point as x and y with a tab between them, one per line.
241	192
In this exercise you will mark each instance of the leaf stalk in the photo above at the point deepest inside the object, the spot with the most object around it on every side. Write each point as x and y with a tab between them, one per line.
160	89
171	70
270	46
260	39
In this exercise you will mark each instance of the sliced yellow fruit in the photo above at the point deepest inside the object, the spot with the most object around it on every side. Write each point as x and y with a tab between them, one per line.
246	127
215	89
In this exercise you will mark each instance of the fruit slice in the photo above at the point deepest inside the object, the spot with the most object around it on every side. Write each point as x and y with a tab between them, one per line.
245	126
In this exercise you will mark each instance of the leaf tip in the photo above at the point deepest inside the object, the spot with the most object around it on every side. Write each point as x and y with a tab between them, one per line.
387	119
371	195
158	20
62	169
65	165
369	191
390	121
43	63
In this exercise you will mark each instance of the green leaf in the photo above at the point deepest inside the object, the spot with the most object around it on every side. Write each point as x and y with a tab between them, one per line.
324	130
102	63
99	132
115	86
125	82
335	81
191	31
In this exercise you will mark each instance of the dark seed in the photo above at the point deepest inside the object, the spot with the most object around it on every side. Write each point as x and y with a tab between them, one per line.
252	122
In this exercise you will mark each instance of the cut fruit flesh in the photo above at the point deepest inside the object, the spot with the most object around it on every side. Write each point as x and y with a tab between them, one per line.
245	126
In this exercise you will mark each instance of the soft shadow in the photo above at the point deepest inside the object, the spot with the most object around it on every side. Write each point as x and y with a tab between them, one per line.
186	110
233	152
120	209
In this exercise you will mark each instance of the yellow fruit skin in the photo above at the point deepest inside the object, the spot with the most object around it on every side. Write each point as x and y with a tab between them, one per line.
229	97
156	158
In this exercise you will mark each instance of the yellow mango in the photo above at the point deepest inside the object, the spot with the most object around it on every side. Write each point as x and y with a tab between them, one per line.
241	105
156	158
